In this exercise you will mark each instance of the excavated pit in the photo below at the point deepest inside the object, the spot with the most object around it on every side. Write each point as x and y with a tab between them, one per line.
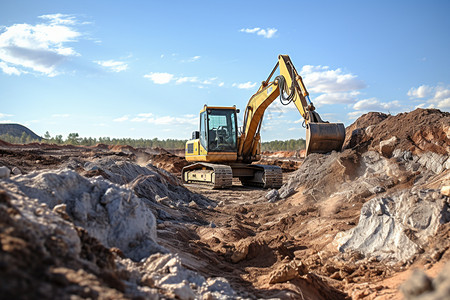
116	223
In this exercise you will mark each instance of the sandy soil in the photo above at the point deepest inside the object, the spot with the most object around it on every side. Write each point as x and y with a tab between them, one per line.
280	249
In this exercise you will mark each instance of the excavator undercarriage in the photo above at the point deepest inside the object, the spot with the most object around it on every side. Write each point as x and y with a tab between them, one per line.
221	176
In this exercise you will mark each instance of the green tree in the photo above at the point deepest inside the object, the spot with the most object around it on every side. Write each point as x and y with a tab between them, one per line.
23	138
73	139
59	139
47	135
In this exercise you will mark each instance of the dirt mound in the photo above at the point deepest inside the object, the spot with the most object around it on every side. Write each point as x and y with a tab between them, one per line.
122	221
286	165
118	210
374	208
288	161
38	156
419	131
101	146
169	162
122	148
280	154
5	144
45	257
344	225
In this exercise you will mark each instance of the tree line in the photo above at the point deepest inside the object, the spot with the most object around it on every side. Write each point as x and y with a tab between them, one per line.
289	145
75	139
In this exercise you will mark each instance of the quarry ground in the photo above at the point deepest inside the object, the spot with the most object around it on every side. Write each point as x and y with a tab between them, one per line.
349	225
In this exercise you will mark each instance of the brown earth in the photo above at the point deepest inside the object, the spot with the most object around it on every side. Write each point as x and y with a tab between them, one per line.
265	250
418	131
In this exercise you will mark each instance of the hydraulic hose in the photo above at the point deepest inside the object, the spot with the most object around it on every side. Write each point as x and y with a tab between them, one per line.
285	100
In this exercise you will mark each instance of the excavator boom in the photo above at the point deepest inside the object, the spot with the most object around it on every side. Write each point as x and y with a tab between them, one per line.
321	136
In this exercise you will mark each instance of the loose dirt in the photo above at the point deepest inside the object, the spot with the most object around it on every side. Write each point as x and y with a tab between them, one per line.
300	242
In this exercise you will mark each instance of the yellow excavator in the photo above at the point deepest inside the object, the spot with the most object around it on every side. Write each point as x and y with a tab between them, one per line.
220	152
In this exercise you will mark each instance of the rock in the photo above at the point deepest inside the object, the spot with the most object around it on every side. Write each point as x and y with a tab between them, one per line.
377	190
61	210
445	190
16	171
419	283
284	273
394	228
239	254
287	192
148	182
5	172
272	195
182	291
369	130
388	146
433	161
112	214
166	272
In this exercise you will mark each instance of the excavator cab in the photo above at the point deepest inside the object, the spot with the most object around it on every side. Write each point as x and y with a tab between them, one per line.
218	129
217	137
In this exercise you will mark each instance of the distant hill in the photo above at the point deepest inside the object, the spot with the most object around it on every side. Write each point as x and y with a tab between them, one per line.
17	130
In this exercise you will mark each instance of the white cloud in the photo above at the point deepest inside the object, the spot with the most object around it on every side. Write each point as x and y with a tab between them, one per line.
355	114
4	115
373	104
9	70
40	48
6	121
160	78
246	85
186	79
139	119
113	65
164	78
320	79
332	86
335	98
194	58
267	33
420	92
58	19
122	119
145	115
435	96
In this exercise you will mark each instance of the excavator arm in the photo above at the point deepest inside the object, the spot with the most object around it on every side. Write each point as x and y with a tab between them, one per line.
321	137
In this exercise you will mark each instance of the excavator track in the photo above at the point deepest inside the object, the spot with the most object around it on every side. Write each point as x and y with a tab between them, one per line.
212	175
265	176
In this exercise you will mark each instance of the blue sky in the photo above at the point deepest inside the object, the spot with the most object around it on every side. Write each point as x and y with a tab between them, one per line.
144	69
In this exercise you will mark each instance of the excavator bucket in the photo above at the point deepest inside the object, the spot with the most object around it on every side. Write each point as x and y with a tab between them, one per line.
324	137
